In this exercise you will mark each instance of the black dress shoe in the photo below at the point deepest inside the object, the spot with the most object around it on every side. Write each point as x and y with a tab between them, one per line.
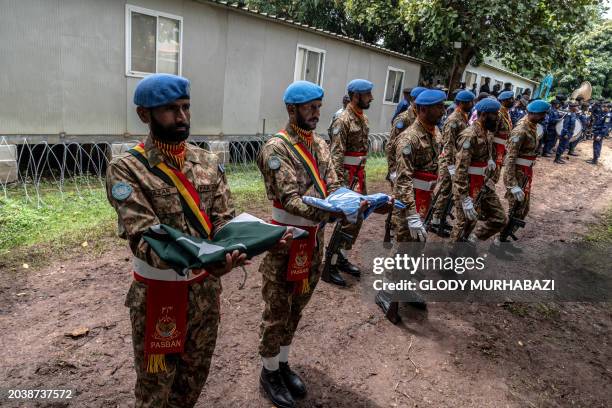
333	277
573	154
294	383
343	264
275	388
546	155
389	308
415	300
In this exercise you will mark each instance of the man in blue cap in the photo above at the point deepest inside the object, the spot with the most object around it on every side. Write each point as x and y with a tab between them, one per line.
417	171
567	132
295	162
475	169
500	136
142	193
454	125
602	118
403	104
518	166
550	132
349	150
400	123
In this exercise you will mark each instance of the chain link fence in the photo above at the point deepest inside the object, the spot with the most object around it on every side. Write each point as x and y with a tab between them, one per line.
32	170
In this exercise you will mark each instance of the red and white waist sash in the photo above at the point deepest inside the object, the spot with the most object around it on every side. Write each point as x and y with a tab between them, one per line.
423	184
354	163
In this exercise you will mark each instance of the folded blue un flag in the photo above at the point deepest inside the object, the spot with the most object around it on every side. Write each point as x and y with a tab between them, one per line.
348	201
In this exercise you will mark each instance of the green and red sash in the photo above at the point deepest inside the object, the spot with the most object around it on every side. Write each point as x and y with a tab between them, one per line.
310	164
190	198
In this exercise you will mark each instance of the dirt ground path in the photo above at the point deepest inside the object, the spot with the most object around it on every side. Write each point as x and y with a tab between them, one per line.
455	355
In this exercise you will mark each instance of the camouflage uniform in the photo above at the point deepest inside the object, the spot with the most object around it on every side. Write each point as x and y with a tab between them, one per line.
475	145
522	143
504	127
454	125
287	184
349	134
400	123
152	202
416	150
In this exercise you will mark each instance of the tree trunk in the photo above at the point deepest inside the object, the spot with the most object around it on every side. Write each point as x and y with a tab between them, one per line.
462	59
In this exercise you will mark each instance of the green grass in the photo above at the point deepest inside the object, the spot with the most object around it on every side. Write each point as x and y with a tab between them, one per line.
66	221
601	233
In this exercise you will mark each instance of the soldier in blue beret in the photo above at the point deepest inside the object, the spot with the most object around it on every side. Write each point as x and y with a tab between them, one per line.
399	124
171	372
349	150
454	125
475	166
518	167
506	95
417	154
294	162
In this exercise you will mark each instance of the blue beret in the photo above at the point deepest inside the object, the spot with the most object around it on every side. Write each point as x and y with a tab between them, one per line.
430	97
487	105
160	89
416	91
538	106
465	96
505	95
359	86
301	92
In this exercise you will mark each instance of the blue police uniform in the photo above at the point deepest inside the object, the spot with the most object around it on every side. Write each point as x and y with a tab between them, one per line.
550	130
569	123
584	120
516	114
600	130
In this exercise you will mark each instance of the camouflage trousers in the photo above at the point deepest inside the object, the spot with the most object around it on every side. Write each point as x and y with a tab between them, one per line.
181	384
353	229
283	309
491	213
445	187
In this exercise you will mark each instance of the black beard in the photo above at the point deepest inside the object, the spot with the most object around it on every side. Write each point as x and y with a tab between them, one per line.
168	134
362	104
301	123
490	125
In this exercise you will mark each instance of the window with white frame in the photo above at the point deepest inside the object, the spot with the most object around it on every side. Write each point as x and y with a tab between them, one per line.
470	79
309	64
393	87
153	42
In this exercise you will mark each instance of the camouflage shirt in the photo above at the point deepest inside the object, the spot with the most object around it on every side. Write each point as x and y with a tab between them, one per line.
455	124
400	123
523	141
349	134
152	201
287	180
475	145
416	151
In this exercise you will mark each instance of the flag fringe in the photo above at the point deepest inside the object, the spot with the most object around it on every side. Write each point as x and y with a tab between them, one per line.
155	363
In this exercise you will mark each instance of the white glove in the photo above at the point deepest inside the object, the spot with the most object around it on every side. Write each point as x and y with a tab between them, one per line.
491	165
393	177
469	210
451	169
518	193
417	230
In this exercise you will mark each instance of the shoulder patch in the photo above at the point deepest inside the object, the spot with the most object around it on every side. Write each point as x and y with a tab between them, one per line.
221	168
336	130
121	191
407	150
400	124
274	163
466	144
515	139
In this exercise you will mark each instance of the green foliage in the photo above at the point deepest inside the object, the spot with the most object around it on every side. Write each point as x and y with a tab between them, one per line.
591	61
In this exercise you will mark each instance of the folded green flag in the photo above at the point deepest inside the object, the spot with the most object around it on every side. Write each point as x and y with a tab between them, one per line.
245	233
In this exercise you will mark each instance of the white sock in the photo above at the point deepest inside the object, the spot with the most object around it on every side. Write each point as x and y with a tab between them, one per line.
270	363
283	356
